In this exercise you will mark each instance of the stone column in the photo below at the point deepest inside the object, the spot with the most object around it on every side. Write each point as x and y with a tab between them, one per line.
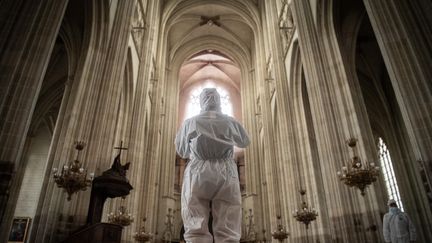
141	174
284	145
23	64
105	120
90	116
403	32
338	205
298	171
402	29
31	28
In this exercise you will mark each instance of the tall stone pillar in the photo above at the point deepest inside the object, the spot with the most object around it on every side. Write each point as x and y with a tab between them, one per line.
285	126
102	142
103	122
339	206
23	63
90	116
27	39
402	29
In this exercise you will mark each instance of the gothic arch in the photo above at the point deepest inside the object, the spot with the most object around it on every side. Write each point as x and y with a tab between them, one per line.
372	96
237	53
126	101
245	12
308	162
66	50
173	55
84	53
129	81
47	108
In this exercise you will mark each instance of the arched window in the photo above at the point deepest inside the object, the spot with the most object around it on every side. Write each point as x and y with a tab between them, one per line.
389	175
193	106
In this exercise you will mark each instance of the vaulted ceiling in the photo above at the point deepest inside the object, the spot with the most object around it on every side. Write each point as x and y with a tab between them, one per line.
196	21
209	66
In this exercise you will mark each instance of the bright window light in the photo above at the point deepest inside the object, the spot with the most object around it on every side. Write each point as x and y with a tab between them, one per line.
389	175
193	106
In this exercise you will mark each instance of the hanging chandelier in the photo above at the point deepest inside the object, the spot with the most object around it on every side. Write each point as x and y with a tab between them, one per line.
280	234
305	214
73	177
121	217
142	235
358	174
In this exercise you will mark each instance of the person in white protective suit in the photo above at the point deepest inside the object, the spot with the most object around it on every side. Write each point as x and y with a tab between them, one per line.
397	226
211	176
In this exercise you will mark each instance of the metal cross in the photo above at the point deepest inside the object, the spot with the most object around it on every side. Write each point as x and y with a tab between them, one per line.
121	147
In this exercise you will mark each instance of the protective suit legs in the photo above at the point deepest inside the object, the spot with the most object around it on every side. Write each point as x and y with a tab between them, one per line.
196	223
217	182
227	220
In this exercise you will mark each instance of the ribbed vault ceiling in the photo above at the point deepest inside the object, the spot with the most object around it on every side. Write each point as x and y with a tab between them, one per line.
204	20
209	66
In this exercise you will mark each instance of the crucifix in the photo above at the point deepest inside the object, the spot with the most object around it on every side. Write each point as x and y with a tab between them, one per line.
121	147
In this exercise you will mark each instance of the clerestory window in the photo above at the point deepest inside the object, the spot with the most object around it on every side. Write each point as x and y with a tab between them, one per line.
193	106
388	172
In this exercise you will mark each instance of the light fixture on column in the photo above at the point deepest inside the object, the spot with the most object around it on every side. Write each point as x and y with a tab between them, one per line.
73	177
121	217
264	237
168	233
142	235
305	214
358	174
250	234
280	234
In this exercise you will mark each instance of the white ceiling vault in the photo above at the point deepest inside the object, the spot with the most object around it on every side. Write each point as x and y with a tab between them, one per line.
210	66
226	24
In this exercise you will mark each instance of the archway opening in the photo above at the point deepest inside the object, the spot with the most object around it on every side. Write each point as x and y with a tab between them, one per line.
366	62
209	69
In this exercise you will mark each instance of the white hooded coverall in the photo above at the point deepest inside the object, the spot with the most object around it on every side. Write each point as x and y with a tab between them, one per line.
398	228
211	174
